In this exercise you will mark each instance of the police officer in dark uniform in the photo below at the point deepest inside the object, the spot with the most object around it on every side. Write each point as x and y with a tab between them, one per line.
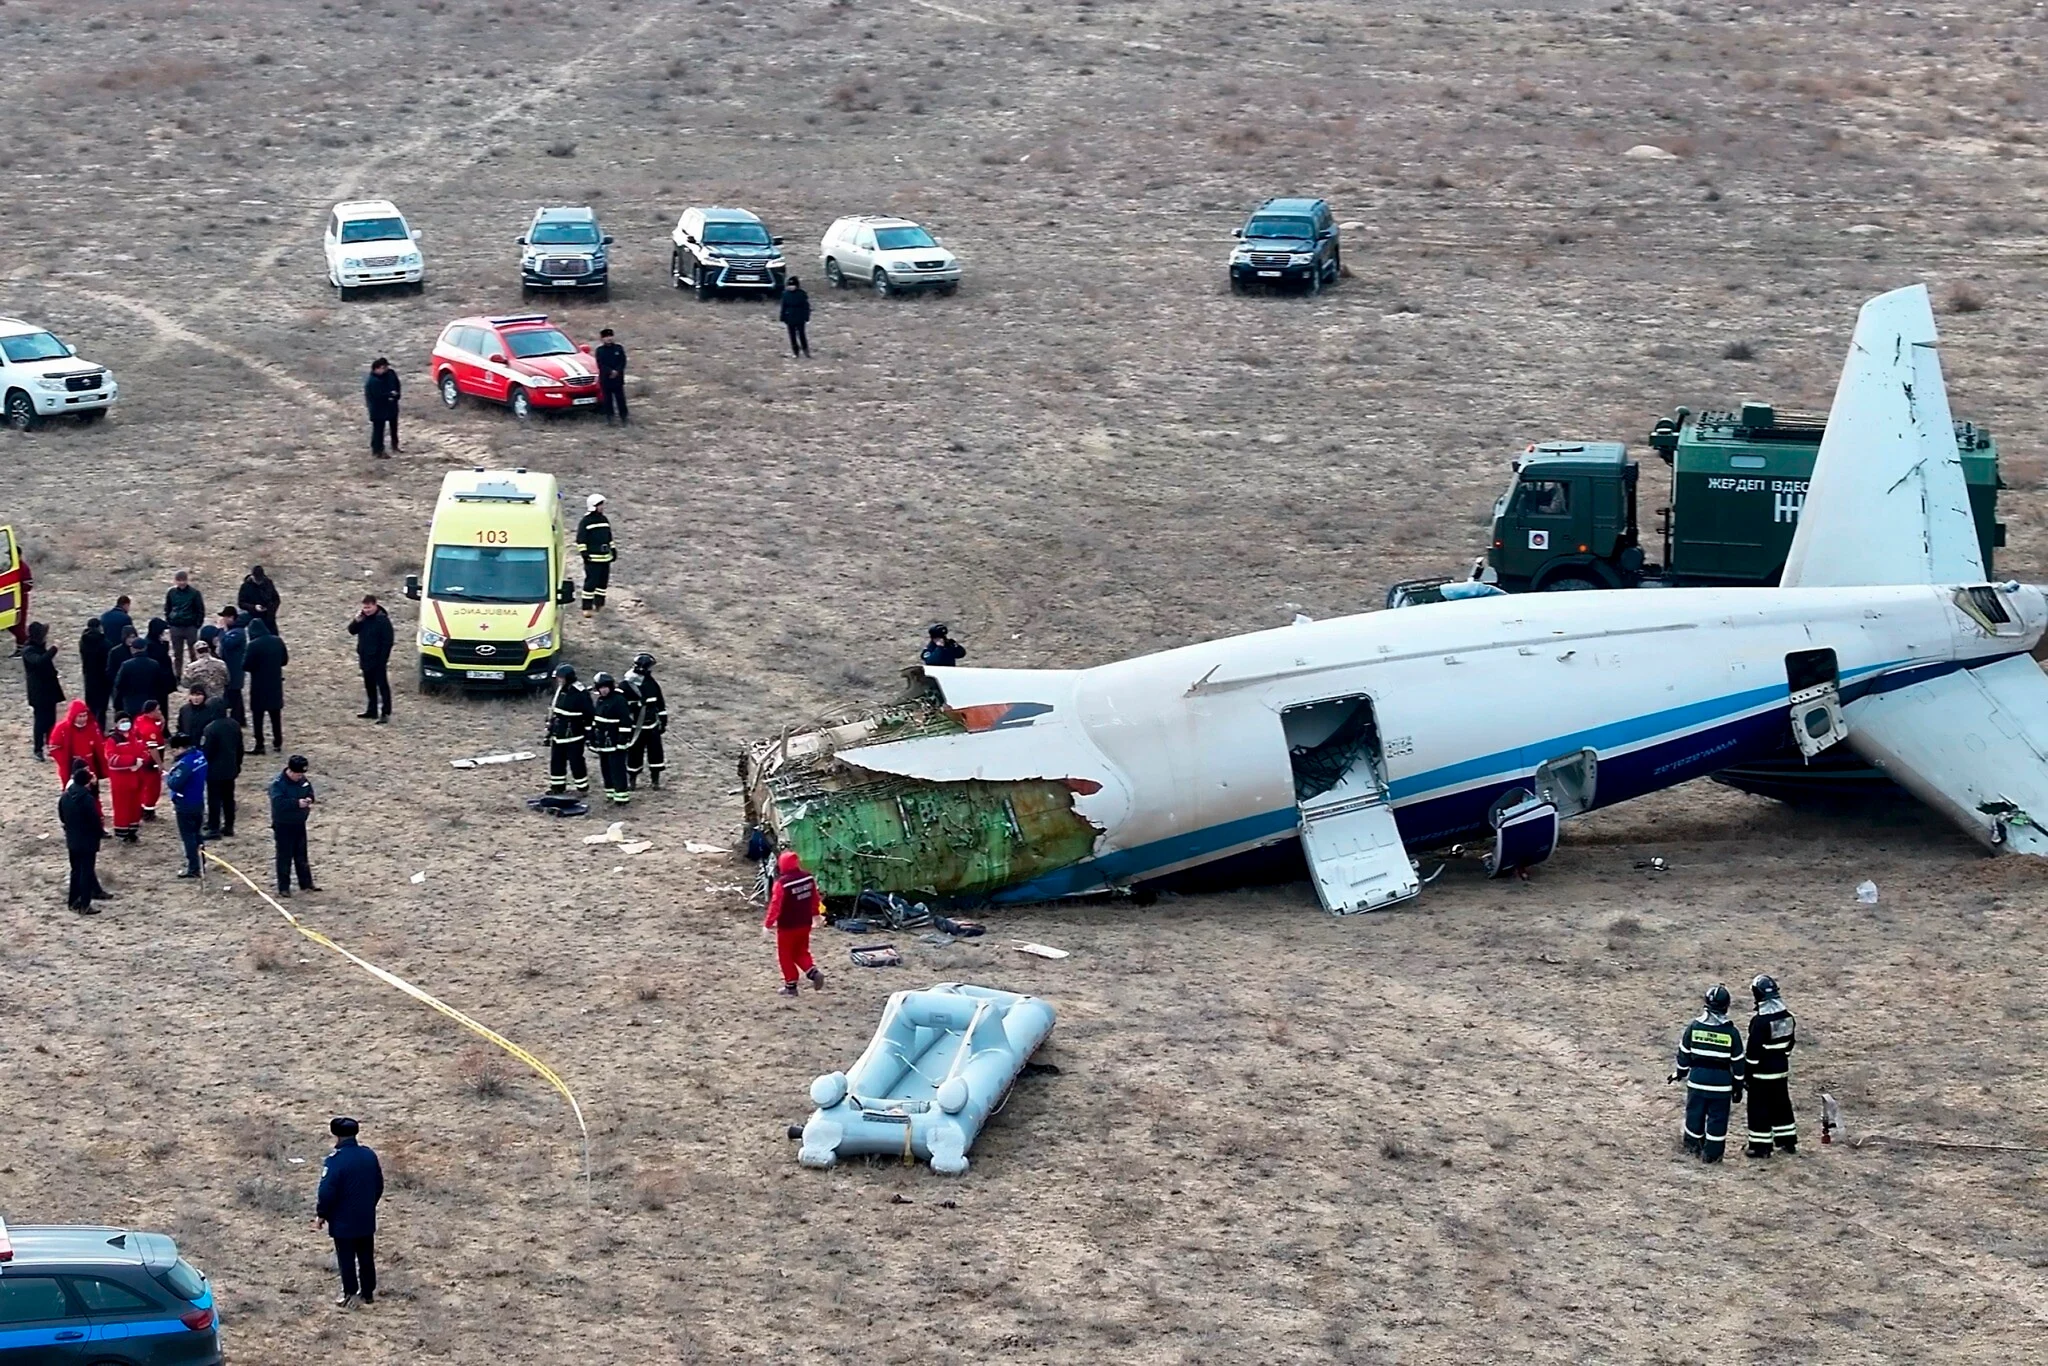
611	376
568	727
1770	1072
940	649
612	736
646	754
594	544
1710	1060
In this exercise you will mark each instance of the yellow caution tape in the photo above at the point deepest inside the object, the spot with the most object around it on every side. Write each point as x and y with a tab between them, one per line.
546	1073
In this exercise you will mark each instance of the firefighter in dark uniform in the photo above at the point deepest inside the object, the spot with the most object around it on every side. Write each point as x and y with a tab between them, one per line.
594	544
1770	1072
1710	1060
611	736
646	754
568	727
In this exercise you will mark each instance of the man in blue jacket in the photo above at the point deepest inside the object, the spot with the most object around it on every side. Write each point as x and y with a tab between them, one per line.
291	801
187	781
230	640
351	1184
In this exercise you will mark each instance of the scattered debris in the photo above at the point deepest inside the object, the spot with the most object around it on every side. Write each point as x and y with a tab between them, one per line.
636	846
1830	1117
876	956
1865	229
699	847
553	805
1038	950
615	833
960	929
296	1161
1653	865
418	878
1645	151
937	939
1866	892
506	757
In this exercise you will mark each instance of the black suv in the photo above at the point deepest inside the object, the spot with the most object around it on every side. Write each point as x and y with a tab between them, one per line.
102	1297
1287	242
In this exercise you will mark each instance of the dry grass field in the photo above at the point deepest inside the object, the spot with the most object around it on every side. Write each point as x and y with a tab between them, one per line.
1436	1135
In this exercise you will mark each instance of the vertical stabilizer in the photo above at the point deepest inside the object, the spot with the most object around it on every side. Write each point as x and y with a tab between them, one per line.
1887	503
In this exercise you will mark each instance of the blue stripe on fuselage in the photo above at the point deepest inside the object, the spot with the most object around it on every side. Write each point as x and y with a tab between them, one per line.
1430	821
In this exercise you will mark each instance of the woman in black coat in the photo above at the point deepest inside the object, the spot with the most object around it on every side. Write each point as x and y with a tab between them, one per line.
263	671
92	670
39	672
78	810
159	649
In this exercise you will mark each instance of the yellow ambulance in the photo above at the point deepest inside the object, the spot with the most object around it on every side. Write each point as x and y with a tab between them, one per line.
490	609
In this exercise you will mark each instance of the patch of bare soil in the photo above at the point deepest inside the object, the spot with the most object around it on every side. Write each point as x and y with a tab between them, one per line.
1426	1136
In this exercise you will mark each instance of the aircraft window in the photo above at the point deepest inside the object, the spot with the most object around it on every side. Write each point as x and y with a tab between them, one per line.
1543	498
1986	607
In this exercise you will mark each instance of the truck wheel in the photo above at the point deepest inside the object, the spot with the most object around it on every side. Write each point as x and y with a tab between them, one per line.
1315	278
526	291
450	395
881	282
21	411
522	407
834	276
1236	284
705	287
675	269
1571	583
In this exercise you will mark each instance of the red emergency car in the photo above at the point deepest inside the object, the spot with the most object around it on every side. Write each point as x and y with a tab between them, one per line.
524	362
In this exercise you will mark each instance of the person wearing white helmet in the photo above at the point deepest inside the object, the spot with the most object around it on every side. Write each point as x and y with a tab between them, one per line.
594	544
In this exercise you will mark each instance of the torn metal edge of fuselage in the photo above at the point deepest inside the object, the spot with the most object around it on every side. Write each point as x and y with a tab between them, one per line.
913	827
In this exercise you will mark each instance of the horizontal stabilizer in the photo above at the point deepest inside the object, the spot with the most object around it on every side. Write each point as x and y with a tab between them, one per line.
1972	744
1887	502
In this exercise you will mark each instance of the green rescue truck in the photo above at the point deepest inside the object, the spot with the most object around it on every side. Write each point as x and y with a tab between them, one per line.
1738	482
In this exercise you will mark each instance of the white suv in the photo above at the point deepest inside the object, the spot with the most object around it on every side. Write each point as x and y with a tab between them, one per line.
369	244
893	255
42	377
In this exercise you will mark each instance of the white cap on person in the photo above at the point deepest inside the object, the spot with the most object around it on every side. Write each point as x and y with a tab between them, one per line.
595	501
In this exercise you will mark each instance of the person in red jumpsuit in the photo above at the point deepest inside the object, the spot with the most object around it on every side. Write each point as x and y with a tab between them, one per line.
793	906
149	728
127	759
78	736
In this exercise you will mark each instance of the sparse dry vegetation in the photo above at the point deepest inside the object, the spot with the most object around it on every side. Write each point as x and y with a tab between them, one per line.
1092	451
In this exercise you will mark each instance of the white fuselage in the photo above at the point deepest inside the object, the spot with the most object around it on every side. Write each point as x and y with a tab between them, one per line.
1469	697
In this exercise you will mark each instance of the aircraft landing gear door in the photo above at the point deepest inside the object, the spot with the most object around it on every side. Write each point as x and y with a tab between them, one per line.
1354	849
1816	700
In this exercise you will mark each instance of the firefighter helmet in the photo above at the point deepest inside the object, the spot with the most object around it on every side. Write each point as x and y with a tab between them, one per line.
643	661
566	672
604	680
1717	999
1764	988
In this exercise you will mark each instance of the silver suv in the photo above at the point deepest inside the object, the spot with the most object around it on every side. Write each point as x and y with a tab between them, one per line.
565	249
892	255
725	249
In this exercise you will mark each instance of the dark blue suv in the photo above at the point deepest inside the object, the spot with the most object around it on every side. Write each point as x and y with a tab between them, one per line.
102	1297
1287	242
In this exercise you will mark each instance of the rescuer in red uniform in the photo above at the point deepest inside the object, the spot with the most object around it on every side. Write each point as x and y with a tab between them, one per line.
77	736
149	728
793	905
127	759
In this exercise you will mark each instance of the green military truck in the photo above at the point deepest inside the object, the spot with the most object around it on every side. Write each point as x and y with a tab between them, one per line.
1738	482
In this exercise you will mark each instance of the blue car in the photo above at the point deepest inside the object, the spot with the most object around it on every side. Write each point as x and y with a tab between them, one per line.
102	1297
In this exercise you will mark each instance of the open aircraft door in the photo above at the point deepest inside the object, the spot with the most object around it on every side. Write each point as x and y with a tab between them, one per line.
1348	835
11	577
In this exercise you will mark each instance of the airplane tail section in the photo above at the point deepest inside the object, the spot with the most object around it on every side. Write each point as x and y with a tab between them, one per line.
1887	503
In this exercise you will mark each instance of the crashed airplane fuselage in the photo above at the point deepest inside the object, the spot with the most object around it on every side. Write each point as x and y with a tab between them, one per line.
1488	719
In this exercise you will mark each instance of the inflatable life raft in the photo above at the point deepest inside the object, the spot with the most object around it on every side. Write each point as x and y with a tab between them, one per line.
937	1068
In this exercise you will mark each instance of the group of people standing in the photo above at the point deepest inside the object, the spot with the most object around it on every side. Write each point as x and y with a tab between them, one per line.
121	733
1718	1068
621	721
